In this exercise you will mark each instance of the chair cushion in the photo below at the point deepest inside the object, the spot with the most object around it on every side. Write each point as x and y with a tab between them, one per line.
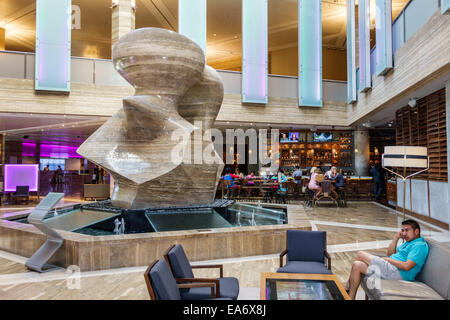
398	290
163	283
229	288
305	267
306	245
436	270
181	267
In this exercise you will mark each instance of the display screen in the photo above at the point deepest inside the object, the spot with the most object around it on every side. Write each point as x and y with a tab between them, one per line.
323	136
293	289
289	137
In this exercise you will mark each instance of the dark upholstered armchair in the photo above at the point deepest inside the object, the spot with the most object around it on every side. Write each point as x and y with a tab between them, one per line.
306	253
161	284
226	287
22	193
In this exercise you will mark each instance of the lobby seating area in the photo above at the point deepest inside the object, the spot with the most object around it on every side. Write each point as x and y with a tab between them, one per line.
432	283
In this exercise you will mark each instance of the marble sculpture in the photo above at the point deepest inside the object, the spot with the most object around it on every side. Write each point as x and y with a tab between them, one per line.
173	91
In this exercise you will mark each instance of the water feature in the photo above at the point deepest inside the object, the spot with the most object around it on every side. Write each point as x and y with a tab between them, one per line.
102	218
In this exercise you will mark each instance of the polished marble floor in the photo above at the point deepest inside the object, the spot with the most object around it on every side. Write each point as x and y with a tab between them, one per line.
361	226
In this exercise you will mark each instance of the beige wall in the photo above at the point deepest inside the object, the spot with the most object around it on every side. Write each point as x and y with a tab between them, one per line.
285	62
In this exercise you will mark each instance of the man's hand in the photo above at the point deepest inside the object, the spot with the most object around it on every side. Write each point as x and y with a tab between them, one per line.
398	236
393	245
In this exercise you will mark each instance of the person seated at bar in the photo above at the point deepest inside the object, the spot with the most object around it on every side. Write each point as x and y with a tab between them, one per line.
266	174
331	175
297	175
313	183
238	173
282	179
250	179
404	262
229	177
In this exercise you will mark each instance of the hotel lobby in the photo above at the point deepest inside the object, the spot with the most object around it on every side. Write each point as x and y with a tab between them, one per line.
142	140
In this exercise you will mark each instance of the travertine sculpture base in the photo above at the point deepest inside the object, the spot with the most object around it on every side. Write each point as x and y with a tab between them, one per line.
175	93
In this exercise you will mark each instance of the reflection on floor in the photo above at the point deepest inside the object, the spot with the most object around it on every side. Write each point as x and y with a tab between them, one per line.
360	226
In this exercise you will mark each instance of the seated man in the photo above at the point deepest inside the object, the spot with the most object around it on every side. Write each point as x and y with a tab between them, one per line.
403	263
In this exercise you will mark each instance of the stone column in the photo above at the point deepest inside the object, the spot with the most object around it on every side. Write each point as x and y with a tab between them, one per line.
2	39
362	152
123	19
447	112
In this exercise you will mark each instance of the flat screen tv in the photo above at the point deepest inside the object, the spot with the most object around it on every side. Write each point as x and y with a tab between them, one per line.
323	136
289	136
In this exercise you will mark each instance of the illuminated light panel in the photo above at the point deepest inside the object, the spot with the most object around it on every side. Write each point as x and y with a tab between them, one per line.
21	175
364	45
310	53
351	53
192	21
53	32
383	51
254	51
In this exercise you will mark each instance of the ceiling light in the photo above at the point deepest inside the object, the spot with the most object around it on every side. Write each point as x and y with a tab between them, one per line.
412	102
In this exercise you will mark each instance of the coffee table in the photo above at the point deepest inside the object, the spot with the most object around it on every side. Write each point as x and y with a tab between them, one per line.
299	286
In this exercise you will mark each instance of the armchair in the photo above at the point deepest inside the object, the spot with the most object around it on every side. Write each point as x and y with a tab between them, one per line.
22	192
226	287
306	253
161	284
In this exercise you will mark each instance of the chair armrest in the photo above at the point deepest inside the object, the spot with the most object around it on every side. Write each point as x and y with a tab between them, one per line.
198	285
281	257
220	266
327	255
215	282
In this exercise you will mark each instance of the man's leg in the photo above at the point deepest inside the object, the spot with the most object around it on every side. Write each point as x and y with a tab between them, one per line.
364	257
359	268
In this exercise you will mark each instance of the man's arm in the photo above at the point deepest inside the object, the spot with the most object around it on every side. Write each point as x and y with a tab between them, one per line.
408	265
393	245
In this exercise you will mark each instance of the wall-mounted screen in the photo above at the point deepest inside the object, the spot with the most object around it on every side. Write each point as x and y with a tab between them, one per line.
323	136
290	136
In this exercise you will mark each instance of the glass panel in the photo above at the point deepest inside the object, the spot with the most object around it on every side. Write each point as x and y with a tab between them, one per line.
172	220
157	14
18	18
248	215
224	34
91	29
254	73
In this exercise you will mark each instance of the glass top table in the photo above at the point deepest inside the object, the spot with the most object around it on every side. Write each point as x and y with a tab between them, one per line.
298	286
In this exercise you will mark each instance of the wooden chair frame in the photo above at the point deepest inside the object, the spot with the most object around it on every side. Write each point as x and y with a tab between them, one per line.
197	283
214	281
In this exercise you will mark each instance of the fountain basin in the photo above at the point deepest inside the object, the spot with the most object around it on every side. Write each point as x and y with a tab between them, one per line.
100	252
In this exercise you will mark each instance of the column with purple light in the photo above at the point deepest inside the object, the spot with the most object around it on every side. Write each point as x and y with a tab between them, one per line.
53	34
310	53
254	51
383	52
364	45
351	52
192	21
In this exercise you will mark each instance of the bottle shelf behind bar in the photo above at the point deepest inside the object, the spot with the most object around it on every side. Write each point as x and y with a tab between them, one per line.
308	152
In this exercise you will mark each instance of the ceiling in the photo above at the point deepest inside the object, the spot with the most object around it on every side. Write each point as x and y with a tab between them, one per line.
93	39
44	127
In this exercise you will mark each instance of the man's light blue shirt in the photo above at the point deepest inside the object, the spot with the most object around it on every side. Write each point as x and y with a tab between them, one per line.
416	251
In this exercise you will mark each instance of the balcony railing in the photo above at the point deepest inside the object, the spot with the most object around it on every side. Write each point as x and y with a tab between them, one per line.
20	65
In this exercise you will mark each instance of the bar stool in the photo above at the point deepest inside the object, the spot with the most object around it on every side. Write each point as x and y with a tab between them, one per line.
342	200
